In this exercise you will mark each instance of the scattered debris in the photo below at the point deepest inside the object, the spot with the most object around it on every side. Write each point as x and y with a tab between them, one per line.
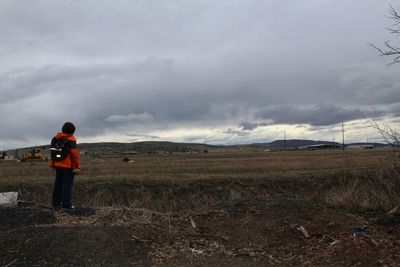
272	237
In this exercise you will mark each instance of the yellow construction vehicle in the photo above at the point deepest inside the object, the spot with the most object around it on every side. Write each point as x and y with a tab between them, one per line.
34	154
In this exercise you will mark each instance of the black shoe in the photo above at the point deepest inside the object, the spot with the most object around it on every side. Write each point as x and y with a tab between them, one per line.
68	208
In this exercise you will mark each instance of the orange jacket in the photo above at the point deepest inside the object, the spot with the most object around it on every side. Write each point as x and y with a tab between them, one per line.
72	160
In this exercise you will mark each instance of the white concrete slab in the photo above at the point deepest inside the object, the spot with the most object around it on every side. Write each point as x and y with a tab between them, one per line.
9	199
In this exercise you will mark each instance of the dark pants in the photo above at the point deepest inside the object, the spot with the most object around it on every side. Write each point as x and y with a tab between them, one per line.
62	192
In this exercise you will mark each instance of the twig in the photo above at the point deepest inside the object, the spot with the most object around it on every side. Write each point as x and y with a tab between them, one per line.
394	211
246	221
304	231
11	263
192	222
376	243
333	239
291	258
138	239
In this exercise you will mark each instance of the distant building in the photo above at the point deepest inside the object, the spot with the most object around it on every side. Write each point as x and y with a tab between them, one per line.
8	157
319	146
361	146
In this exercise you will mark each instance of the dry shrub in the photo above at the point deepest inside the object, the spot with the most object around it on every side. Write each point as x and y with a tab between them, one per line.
375	188
371	189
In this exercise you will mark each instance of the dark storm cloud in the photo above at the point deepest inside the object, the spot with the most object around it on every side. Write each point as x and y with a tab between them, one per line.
140	66
319	115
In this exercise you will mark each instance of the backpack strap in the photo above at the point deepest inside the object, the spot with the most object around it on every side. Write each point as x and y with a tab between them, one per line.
51	145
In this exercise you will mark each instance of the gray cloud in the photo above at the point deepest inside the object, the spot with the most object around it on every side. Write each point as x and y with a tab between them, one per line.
249	126
395	110
147	136
231	131
136	66
134	118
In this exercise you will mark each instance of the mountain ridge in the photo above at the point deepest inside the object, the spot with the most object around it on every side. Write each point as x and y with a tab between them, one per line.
151	146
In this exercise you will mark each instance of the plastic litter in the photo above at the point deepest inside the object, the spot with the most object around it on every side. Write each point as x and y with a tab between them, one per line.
360	231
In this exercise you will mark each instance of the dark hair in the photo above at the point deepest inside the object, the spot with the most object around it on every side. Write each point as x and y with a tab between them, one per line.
68	128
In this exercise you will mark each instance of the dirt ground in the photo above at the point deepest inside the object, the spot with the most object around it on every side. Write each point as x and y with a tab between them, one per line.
259	231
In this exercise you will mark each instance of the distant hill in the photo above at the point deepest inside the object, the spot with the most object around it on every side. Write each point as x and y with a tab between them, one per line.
109	148
114	148
295	143
143	147
292	143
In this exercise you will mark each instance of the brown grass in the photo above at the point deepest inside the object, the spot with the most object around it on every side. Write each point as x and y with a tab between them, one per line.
351	178
373	188
203	166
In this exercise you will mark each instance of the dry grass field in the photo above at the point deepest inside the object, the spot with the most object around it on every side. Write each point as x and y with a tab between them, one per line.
106	181
217	164
222	208
111	181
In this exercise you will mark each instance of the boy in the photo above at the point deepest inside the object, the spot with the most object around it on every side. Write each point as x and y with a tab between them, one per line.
65	161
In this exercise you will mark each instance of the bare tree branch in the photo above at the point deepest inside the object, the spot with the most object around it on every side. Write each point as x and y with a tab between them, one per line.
390	135
389	49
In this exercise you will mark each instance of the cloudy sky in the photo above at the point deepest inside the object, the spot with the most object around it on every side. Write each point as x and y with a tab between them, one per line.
219	72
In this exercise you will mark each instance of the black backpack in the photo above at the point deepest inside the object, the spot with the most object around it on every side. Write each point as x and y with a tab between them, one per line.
59	148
